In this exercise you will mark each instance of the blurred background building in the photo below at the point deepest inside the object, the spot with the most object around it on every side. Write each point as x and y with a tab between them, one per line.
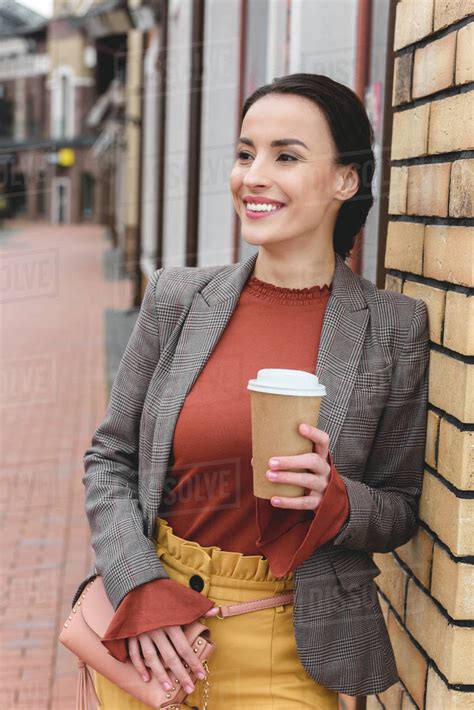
125	113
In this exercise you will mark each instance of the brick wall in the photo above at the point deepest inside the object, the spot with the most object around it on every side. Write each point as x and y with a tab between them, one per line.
426	585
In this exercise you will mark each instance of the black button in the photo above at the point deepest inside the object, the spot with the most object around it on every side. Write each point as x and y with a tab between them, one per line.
197	583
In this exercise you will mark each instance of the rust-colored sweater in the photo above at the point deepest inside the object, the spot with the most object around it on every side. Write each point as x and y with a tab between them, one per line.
209	491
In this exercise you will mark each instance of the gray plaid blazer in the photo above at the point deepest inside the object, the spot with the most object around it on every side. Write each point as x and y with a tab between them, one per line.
373	360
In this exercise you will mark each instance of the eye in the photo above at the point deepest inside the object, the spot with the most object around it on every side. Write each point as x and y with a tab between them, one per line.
287	155
243	153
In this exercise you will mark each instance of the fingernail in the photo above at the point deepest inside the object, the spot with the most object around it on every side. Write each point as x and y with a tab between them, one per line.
305	428
188	688
201	675
271	474
145	678
274	462
276	501
167	686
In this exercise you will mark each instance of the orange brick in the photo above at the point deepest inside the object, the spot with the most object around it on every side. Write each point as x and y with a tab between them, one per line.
431	438
397	201
440	697
434	66
404	249
465	54
391	698
459	323
402	79
452	584
448	645
448	254
456	456
448	11
392	581
428	189
407	703
414	20
410	132
393	283
417	554
451	518
451	386
411	664
462	189
451	124
435	299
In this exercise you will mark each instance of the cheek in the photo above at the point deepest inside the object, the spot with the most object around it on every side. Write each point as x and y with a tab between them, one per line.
235	180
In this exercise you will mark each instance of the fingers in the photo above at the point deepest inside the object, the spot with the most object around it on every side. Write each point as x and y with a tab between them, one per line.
319	437
317	467
212	612
179	655
168	655
315	483
298	503
150	659
136	658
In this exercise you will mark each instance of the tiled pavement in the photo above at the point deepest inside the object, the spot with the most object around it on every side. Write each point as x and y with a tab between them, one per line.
53	294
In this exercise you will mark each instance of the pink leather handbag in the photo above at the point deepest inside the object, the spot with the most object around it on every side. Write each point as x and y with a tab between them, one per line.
82	633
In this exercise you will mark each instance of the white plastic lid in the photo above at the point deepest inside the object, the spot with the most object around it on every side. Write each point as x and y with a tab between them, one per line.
297	383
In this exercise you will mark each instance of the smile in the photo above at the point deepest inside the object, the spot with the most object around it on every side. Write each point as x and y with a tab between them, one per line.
258	210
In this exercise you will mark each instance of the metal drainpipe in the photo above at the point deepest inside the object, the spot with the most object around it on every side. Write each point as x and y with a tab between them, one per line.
362	79
242	58
138	278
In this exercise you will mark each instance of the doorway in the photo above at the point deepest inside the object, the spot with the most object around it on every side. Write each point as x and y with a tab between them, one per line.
61	200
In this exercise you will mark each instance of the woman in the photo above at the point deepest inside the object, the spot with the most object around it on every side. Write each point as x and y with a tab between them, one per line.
176	529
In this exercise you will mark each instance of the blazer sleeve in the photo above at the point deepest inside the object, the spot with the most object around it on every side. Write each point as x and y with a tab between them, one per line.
125	557
161	602
384	506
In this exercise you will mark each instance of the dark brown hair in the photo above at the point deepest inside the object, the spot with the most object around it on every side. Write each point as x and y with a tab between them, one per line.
353	138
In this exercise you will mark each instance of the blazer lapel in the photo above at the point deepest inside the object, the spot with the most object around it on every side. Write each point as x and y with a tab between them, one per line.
208	315
340	349
342	338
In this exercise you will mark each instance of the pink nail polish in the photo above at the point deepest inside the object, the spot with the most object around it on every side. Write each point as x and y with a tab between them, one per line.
167	686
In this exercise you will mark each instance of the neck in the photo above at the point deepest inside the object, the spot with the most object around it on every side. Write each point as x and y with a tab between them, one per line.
295	273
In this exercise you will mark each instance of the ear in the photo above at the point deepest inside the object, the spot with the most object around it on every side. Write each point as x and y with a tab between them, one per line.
347	183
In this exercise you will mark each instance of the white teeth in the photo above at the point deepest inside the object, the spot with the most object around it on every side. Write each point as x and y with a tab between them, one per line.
261	207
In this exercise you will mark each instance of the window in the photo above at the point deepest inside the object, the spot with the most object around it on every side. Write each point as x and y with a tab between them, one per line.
62	103
87	196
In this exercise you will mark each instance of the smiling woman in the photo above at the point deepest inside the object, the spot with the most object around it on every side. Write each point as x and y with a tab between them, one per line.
173	549
321	188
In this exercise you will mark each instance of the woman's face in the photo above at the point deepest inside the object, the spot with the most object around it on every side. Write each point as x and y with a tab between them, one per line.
302	178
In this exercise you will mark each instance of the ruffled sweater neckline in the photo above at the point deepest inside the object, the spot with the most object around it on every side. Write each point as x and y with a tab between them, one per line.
281	294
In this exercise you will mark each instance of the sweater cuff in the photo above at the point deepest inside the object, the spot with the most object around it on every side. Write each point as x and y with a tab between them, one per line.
291	546
157	603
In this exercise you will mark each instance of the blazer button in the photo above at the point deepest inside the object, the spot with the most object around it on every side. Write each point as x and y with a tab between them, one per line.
197	583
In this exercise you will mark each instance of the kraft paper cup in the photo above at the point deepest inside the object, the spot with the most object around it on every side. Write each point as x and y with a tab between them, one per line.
281	400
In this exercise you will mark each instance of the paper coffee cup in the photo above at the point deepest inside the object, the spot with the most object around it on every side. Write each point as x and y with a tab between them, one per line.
281	400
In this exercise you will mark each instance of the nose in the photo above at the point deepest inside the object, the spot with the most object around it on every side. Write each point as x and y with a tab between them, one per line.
256	175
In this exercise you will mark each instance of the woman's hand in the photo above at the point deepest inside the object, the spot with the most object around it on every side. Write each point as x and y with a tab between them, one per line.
316	481
174	653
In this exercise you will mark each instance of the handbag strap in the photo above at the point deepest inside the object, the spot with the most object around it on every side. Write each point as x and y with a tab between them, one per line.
245	607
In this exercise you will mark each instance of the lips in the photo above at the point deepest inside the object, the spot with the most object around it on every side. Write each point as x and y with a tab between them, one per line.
262	200
259	214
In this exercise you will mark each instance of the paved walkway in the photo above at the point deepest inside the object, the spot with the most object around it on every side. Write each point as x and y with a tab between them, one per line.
53	293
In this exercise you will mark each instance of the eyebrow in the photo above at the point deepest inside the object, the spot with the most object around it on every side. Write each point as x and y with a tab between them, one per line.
276	143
